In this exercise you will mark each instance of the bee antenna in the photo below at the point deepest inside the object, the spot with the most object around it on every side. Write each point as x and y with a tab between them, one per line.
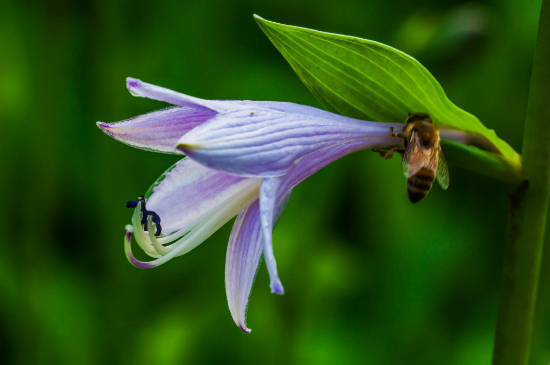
409	114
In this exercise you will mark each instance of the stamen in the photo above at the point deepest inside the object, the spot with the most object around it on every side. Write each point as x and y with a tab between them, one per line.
128	250
134	203
158	247
141	238
146	213
191	236
156	219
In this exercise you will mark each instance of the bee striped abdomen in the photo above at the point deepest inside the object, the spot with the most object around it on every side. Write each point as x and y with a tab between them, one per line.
420	184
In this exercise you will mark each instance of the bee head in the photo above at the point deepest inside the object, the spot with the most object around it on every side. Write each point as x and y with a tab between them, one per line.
415	117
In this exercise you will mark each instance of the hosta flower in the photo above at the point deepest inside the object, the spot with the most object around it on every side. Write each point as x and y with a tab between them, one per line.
243	158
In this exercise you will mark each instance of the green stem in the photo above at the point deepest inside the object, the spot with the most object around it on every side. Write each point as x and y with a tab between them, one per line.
527	216
484	163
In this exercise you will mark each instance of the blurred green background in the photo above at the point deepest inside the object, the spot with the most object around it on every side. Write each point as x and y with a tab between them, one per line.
369	278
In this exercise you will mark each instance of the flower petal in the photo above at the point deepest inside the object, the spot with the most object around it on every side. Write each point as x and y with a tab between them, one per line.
189	190
310	164
278	190
243	258
158	131
145	90
265	141
275	192
268	199
242	261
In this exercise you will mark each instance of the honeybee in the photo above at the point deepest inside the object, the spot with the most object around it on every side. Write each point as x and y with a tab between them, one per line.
423	160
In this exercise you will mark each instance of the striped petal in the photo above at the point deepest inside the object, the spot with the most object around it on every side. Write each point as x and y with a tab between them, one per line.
244	252
313	162
188	191
158	131
265	141
243	258
274	193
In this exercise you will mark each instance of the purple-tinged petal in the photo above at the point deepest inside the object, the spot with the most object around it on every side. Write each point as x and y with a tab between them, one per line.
278	190
315	161
145	90
274	195
274	192
248	232
189	190
268	200
158	131
265	142
242	261
243	258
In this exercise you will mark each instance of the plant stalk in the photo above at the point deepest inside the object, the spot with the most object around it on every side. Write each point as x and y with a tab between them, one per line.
527	216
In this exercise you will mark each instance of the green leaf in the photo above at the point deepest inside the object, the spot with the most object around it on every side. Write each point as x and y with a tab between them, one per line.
368	80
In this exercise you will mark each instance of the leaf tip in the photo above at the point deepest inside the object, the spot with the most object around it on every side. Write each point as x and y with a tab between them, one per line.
261	21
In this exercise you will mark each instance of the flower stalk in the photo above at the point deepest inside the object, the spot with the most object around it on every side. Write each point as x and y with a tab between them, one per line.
484	163
527	216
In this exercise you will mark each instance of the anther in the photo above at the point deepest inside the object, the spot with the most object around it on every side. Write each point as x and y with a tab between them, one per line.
134	203
156	219
145	214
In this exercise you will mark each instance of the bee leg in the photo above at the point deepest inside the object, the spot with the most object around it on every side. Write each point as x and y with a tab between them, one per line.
396	135
389	154
381	152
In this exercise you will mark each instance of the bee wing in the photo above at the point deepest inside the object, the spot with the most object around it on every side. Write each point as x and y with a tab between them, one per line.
414	157
442	173
405	160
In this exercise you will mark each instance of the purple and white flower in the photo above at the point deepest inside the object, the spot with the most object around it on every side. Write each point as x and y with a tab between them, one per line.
243	158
